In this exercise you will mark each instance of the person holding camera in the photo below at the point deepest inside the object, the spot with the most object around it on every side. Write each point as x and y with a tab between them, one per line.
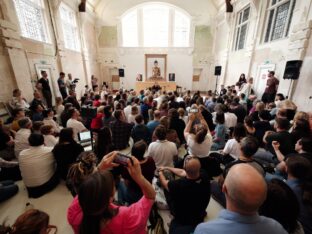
93	211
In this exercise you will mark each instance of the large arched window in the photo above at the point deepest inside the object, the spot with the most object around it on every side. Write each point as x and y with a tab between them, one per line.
155	25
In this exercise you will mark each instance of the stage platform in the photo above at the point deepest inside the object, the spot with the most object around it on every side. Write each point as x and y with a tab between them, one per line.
165	86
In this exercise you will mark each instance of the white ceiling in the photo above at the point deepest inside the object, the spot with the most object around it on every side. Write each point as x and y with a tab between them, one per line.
202	11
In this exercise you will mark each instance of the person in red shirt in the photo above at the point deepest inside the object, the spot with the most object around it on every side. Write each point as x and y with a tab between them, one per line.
97	101
97	121
271	88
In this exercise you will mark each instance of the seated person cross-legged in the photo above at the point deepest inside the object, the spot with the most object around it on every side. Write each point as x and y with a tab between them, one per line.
93	212
248	147
245	190
38	167
66	151
188	196
162	151
281	135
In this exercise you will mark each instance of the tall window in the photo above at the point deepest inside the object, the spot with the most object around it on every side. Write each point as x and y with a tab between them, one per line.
278	19
155	25
130	30
70	29
31	18
241	28
181	30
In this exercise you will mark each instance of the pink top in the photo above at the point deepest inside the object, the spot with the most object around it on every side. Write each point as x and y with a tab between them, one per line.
129	220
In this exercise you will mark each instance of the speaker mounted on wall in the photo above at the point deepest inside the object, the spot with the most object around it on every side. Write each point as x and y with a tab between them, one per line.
229	6
292	69
218	70
121	72
82	6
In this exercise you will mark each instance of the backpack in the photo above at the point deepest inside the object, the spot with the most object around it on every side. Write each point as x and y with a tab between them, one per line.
156	223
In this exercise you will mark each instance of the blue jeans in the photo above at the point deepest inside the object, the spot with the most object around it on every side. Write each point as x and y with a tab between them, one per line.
7	189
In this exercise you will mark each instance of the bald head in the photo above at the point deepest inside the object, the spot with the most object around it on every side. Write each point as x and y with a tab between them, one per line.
192	168
245	189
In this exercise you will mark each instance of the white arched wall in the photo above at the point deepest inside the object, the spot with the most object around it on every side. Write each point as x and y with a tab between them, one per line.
181	61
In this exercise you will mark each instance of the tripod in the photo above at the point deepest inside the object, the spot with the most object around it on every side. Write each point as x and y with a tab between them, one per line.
216	88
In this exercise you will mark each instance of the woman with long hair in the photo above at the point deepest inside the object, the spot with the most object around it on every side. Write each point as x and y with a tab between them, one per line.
31	222
66	151
200	140
176	124
92	211
85	166
103	143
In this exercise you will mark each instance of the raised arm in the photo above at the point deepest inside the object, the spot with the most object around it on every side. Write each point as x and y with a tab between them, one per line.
189	125
135	172
278	153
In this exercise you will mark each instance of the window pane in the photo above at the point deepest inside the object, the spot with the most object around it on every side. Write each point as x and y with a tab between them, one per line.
70	29
31	20
267	34
130	30
280	21
273	2
242	37
290	17
155	26
246	14
237	38
181	30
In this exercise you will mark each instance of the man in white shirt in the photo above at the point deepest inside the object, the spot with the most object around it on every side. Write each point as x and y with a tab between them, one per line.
21	137
162	151
73	123
38	167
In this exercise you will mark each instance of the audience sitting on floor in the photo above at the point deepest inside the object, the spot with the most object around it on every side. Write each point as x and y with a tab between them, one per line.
169	135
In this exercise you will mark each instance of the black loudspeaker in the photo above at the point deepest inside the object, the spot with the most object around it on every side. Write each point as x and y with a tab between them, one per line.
82	6
229	6
292	69
218	70
121	72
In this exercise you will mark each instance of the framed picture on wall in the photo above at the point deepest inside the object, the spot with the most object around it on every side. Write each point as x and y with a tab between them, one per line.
172	77
156	67
139	77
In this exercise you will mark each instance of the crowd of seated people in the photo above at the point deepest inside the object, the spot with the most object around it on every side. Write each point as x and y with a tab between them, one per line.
177	150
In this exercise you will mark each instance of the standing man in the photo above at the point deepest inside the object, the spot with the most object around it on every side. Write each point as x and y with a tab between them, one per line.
45	88
94	82
62	86
271	88
69	82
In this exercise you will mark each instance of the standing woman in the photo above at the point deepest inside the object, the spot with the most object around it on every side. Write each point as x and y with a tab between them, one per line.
241	81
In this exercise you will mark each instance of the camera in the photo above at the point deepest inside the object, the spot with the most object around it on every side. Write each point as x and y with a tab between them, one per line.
122	159
194	110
